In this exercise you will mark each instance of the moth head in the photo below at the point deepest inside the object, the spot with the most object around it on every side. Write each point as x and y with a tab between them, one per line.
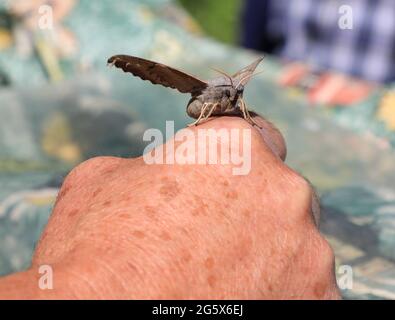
240	89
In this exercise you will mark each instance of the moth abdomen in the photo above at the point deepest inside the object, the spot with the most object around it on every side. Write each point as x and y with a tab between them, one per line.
194	107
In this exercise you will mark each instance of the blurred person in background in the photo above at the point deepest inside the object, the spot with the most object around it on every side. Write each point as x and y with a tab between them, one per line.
311	31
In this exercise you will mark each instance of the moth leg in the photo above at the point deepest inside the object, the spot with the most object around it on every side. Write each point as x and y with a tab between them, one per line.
243	109
247	115
195	123
211	110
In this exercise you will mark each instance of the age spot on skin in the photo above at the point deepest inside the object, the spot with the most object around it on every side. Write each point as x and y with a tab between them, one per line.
209	263
150	212
211	281
170	188
97	191
73	212
201	207
186	256
63	191
131	266
165	236
243	249
319	289
124	216
139	234
107	203
247	213
232	195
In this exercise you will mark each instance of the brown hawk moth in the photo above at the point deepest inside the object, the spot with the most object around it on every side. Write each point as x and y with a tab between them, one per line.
219	96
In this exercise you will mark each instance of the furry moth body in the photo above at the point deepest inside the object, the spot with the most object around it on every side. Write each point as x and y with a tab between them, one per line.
219	96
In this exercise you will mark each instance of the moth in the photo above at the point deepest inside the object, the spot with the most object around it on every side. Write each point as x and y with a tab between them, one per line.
220	96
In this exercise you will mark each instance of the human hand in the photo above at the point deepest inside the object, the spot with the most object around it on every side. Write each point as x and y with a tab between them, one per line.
124	229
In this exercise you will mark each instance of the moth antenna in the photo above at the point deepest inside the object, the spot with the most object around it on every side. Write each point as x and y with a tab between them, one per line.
224	74
246	77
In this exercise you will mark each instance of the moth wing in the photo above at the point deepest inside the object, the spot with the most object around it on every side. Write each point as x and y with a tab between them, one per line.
243	76
158	73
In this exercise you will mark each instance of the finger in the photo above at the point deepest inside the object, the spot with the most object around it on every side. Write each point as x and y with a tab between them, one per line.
271	135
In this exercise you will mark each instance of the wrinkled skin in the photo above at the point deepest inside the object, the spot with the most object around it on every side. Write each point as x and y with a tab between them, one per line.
124	229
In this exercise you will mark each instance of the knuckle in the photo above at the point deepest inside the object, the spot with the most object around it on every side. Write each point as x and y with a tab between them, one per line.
96	163
273	137
86	171
324	280
297	182
91	167
298	193
326	254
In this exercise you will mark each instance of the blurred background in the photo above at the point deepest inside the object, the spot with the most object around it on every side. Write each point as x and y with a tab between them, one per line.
328	83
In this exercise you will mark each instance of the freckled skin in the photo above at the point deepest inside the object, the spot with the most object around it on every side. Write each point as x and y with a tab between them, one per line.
63	192
73	212
97	191
139	234
132	267
232	195
169	189
209	263
107	203
211	281
319	290
247	213
165	236
185	256
225	183
151	212
180	235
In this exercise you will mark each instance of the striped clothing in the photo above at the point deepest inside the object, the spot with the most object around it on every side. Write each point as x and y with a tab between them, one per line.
309	31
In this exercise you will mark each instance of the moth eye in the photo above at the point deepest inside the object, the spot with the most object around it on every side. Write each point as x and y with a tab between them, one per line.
227	93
